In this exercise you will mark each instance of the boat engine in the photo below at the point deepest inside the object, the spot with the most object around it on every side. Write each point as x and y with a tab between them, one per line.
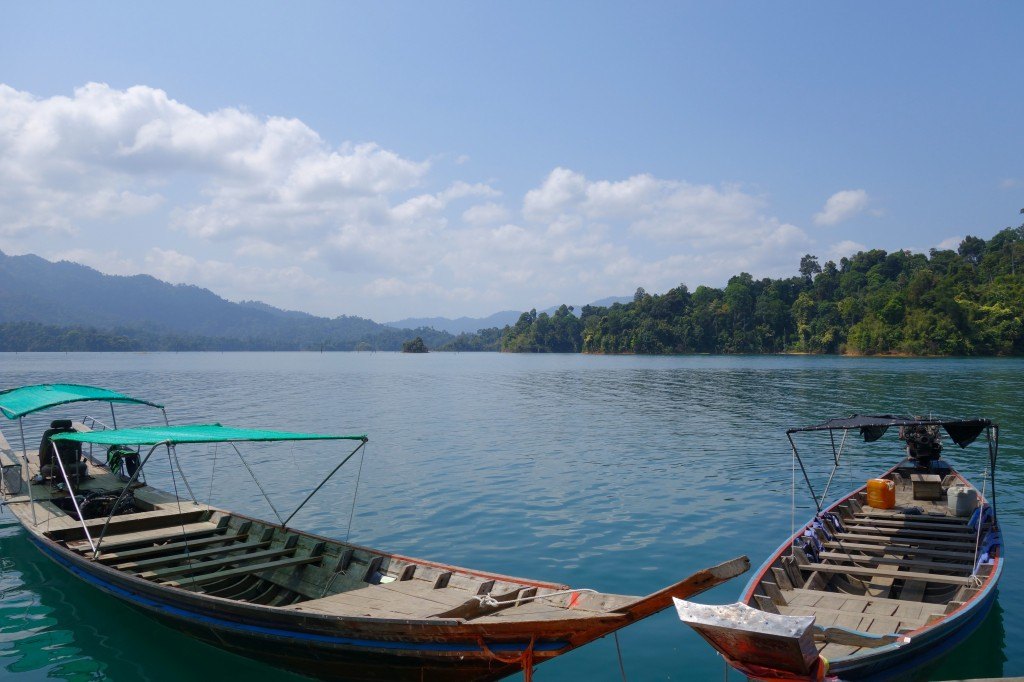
98	504
923	444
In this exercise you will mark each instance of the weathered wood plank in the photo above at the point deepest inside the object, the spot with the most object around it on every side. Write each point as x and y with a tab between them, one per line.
206	566
901	551
150	536
909	563
950	534
133	554
917	518
800	594
910	525
137	566
885	572
906	541
188	583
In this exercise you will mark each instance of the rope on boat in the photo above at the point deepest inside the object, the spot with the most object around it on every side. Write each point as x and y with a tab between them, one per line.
525	659
618	650
488	600
355	493
184	535
981	522
213	475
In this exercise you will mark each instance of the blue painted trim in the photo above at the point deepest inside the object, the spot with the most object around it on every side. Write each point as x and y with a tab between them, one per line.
215	622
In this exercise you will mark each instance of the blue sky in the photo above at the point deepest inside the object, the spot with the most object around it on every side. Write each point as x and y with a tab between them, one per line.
389	160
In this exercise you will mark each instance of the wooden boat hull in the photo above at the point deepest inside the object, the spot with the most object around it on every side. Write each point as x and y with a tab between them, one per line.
925	643
300	601
366	648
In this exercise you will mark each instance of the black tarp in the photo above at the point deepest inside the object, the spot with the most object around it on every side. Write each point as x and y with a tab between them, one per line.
961	431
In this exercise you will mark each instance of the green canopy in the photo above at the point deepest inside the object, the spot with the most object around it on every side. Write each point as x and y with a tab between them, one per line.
190	433
17	402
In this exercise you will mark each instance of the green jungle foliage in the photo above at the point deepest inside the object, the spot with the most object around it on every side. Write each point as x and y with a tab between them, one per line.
484	340
33	336
964	302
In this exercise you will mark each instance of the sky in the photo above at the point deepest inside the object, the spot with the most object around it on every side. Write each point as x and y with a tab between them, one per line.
391	160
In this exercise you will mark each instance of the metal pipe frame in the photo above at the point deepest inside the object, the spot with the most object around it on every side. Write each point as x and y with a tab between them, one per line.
837	457
127	486
71	494
806	477
257	482
28	469
174	452
359	447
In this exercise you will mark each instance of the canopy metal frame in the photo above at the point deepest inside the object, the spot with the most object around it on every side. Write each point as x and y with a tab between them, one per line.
990	428
27	475
169	445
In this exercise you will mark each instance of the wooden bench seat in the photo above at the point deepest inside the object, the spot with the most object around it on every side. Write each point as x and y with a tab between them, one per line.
886	572
904	540
154	535
867	548
195	581
213	564
893	561
167	548
235	548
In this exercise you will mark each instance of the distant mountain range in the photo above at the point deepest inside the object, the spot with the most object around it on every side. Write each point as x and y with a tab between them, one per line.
69	306
146	310
469	325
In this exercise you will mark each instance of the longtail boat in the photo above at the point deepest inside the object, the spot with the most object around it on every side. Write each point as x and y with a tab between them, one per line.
879	583
263	589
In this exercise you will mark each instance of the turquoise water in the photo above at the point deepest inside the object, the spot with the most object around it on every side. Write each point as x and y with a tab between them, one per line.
622	474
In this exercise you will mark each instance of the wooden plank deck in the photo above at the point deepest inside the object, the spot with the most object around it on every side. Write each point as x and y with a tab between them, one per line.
885	572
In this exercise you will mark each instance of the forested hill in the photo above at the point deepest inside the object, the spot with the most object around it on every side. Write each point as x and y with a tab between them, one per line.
67	306
964	302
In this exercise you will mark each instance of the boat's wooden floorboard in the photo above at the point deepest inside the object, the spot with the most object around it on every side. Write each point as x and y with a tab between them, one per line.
194	554
894	561
859	603
111	542
190	582
866	548
372	600
904	540
167	548
886	572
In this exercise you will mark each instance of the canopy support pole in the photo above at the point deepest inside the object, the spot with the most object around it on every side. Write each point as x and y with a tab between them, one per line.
359	447
28	469
993	454
71	494
113	417
257	482
174	452
127	486
806	478
837	457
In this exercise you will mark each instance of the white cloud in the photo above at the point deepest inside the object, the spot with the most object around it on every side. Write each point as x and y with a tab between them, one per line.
950	243
263	207
844	249
842	206
485	214
179	268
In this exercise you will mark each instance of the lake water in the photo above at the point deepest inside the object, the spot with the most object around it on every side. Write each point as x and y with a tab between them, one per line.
622	474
